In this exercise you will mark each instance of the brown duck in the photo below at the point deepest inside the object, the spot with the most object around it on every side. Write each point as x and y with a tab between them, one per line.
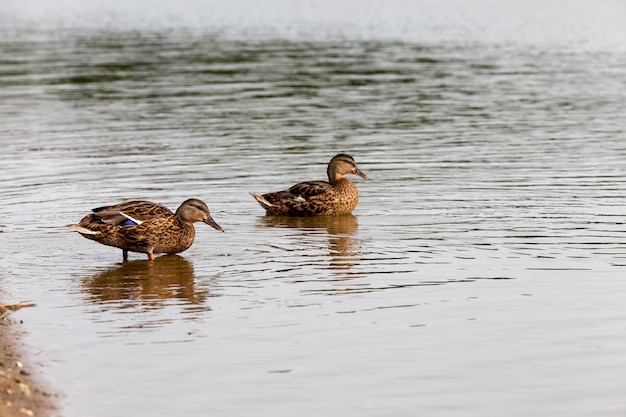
318	198
146	227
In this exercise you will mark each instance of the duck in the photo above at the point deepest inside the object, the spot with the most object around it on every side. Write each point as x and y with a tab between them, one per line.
338	196
145	227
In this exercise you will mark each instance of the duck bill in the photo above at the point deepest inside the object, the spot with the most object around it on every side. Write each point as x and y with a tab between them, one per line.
360	174
214	224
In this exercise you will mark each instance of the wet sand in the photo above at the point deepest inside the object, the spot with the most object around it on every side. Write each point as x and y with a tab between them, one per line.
22	391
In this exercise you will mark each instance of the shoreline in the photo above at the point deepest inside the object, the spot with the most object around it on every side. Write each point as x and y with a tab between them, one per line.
23	391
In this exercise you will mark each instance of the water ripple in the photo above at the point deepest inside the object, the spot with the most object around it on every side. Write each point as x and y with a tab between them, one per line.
497	173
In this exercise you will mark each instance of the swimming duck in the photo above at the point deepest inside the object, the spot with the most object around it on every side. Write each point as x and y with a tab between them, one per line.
146	227
318	198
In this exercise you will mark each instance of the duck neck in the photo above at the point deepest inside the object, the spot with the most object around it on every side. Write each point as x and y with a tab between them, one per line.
343	185
334	177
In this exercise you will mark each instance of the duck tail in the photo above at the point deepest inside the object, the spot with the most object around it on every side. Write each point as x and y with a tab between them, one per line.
262	201
81	229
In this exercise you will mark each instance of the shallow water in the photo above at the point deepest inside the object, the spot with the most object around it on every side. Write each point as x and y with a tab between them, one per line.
480	275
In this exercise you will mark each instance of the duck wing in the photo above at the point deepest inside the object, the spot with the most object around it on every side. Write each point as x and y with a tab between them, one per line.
310	189
303	199
135	211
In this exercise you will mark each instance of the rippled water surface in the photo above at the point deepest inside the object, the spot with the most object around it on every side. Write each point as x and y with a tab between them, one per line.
482	273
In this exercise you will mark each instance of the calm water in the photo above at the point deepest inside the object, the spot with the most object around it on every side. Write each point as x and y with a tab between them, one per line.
482	273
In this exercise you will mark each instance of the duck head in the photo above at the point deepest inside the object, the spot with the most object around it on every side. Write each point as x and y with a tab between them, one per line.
194	210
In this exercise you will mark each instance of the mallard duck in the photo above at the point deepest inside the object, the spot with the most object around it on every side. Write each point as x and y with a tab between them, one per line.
318	198
146	227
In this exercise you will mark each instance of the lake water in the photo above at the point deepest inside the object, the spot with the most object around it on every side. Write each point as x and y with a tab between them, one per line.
482	273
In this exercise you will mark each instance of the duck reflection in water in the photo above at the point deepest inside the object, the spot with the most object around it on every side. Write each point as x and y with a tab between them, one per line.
342	244
147	285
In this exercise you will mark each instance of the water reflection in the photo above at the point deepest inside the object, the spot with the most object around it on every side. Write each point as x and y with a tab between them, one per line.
147	285
343	246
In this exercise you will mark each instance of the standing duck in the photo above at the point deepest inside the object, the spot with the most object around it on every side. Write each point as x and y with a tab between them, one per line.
146	227
318	198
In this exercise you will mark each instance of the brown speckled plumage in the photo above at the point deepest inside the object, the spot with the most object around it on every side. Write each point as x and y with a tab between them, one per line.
318	198
152	227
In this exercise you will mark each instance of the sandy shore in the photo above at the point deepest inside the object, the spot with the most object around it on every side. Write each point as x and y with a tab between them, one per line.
22	392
